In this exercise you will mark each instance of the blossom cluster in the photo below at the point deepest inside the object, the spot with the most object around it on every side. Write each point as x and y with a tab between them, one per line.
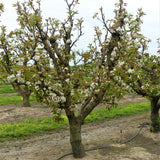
57	99
18	76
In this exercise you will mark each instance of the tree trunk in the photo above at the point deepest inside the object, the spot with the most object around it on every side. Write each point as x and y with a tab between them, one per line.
155	119
26	102
75	140
75	123
24	92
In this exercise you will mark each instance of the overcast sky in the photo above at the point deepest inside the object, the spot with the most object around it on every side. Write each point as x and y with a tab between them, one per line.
87	8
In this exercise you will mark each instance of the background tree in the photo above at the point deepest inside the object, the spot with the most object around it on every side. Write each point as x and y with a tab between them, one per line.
141	72
16	52
80	88
137	69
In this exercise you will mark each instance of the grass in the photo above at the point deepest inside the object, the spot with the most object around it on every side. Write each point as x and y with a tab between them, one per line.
14	100
6	89
28	127
34	127
126	110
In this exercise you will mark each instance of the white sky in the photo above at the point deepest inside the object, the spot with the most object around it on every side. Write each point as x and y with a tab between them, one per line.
87	8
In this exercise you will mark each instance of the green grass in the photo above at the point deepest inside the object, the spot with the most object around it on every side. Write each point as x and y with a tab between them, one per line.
127	110
33	127
14	100
28	127
6	89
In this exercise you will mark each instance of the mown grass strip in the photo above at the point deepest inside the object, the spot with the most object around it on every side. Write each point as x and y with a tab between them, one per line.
33	127
6	89
28	127
14	100
126	110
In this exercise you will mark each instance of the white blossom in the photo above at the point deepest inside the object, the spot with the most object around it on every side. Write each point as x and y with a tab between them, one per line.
52	94
28	83
49	87
37	57
57	85
142	87
118	78
18	73
120	29
65	68
113	70
119	44
34	76
38	82
56	99
69	41
114	53
93	85
121	63
37	88
11	78
63	99
19	61
1	56
67	80
20	80
130	70
124	84
112	59
97	90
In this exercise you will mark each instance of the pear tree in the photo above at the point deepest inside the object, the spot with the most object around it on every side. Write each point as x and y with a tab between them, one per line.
16	54
76	89
141	73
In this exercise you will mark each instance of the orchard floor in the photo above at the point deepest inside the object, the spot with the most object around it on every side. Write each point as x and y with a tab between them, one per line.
52	145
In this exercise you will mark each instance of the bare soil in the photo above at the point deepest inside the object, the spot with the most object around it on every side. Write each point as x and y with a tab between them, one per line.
54	144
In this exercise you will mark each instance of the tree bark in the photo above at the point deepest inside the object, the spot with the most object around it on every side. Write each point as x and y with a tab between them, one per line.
26	102
155	119
24	92
76	140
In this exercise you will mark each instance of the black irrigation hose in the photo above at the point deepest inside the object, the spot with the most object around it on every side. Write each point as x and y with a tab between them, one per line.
65	155
140	128
87	150
103	147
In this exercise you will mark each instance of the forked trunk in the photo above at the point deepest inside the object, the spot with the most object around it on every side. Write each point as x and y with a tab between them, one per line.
76	140
155	120
75	123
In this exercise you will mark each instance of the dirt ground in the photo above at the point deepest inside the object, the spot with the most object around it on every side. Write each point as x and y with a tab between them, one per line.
52	145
